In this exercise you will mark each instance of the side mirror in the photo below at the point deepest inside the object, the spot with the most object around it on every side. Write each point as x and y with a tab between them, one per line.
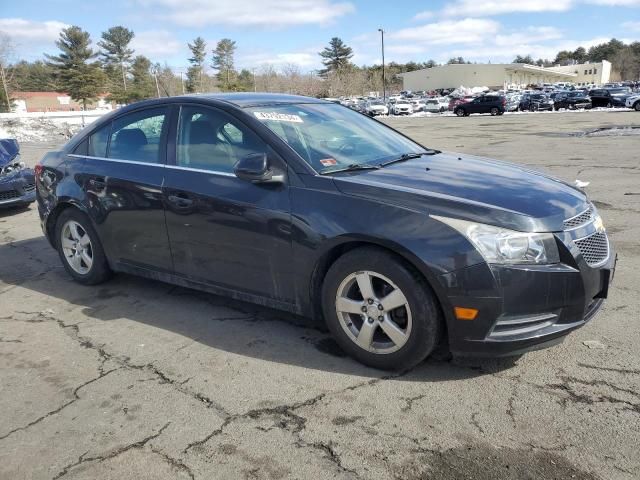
255	168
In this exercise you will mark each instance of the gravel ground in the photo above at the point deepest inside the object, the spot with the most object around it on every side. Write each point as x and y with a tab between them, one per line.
138	379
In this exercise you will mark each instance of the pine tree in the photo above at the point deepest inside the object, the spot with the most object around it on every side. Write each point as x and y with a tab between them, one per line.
116	59
33	77
520	59
196	70
142	82
81	79
223	61
245	81
336	56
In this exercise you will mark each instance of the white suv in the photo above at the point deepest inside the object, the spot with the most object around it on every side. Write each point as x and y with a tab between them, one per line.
633	102
402	107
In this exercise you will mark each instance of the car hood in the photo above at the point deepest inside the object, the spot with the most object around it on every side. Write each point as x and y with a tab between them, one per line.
470	187
9	150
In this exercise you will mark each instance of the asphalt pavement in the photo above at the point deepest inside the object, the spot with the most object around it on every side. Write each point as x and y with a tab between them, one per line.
136	379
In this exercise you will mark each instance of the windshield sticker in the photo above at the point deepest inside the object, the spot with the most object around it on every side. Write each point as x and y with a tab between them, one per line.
278	117
327	162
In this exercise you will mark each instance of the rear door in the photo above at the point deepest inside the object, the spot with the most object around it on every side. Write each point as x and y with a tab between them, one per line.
122	175
223	230
474	106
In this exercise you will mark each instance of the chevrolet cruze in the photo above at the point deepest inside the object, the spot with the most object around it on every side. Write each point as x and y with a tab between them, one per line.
307	206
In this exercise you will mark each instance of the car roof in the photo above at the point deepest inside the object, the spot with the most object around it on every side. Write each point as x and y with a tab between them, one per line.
239	100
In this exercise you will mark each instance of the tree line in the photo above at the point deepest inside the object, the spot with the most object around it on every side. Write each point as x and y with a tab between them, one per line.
624	58
113	68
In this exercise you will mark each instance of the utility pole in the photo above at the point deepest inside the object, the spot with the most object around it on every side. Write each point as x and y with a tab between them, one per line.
182	81
255	88
384	86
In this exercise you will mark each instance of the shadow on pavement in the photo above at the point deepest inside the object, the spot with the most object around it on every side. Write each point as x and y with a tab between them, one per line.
217	322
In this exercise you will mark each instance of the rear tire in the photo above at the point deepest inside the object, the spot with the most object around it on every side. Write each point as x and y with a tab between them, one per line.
360	321
494	111
80	249
636	106
460	112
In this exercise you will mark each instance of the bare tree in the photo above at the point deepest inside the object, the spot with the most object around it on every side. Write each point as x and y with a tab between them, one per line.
7	51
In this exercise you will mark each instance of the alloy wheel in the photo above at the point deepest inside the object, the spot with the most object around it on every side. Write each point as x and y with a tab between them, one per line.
374	312
76	246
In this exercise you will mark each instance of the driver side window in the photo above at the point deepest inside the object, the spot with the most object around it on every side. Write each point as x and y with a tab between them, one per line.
211	140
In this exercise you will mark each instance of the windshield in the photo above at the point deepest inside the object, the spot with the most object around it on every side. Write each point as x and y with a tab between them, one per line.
330	137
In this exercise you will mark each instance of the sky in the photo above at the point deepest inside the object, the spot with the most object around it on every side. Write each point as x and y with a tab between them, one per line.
282	32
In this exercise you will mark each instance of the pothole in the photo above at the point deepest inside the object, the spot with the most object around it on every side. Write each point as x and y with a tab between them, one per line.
612	131
488	463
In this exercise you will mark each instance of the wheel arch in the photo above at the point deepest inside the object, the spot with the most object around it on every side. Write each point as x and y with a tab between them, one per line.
52	217
346	244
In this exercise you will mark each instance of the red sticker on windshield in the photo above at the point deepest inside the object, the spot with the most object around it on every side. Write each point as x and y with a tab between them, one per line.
327	162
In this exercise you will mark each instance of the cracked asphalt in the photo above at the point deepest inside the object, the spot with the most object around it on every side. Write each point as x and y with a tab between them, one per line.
136	379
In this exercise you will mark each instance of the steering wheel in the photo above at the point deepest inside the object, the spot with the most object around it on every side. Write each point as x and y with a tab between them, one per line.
347	148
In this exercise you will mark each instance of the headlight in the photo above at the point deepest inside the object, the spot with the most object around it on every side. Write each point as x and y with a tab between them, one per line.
500	245
12	167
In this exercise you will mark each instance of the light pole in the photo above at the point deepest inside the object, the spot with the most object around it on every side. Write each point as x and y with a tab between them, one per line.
384	86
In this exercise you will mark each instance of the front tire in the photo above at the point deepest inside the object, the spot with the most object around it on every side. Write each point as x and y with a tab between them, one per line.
80	249
636	107
494	111
379	310
460	112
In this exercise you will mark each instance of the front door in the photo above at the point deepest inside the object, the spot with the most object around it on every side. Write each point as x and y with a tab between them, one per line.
223	230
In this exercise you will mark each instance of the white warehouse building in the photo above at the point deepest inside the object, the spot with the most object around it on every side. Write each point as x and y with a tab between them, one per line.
504	75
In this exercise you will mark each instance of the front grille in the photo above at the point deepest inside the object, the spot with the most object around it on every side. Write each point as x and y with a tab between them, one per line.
594	248
29	187
579	219
8	195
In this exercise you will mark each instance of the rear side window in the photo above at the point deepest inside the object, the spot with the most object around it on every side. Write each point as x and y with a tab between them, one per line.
138	136
98	141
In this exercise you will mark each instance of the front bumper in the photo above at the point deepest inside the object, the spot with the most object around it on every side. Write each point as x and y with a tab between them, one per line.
17	189
631	101
523	307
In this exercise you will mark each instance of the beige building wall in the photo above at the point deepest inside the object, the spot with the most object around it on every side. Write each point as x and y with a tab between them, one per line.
597	73
448	76
498	75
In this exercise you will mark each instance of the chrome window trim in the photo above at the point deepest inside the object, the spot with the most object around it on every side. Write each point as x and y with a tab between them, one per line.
202	170
117	160
174	167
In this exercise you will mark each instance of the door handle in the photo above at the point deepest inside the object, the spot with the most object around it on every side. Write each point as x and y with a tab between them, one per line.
180	200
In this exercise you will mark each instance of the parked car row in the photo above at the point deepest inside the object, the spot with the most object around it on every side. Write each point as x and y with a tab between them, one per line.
548	98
